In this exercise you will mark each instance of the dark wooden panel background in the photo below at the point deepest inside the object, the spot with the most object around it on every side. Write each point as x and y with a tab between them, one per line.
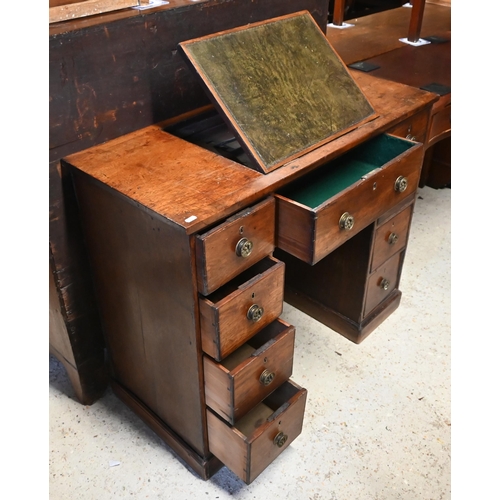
113	78
108	76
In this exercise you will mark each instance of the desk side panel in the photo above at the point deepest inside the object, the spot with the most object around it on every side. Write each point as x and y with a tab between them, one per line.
143	273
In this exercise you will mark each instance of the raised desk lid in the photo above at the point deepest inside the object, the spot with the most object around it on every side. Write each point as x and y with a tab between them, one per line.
280	86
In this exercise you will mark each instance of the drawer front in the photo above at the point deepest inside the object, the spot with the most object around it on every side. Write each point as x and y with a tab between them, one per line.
234	245
228	321
261	435
311	234
414	128
391	237
234	386
382	282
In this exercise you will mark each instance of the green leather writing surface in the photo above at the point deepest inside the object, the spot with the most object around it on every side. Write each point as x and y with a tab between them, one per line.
281	86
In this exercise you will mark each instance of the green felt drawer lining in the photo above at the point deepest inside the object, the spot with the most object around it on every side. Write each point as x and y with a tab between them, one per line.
342	172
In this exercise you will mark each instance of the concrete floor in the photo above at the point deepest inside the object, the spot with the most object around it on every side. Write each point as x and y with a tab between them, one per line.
377	422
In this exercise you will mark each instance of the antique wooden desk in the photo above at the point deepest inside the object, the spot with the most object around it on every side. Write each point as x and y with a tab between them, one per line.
187	249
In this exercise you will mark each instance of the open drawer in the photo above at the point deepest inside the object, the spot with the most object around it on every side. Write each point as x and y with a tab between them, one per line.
320	211
234	386
240	308
261	435
233	246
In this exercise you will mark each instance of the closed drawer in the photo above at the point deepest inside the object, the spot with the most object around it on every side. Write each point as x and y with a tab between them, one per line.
240	308
234	245
382	282
234	386
391	237
414	128
248	447
324	209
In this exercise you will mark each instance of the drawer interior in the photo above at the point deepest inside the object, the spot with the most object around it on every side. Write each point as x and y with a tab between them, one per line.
344	171
271	407
254	419
255	345
242	278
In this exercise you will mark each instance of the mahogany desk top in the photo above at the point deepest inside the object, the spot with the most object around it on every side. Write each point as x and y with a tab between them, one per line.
214	193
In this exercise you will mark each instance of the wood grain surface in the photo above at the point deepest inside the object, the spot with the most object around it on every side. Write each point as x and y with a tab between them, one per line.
143	271
248	448
379	33
382	248
390	271
217	260
232	391
224	323
178	180
311	233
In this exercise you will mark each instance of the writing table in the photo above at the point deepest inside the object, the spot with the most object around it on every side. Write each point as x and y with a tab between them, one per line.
187	249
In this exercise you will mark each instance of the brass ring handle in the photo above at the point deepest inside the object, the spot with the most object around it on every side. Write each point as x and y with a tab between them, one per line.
346	221
266	377
280	439
244	248
392	239
411	137
401	184
384	284
255	313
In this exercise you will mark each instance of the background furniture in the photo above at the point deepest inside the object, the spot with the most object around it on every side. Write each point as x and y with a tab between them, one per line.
63	10
341	10
426	66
